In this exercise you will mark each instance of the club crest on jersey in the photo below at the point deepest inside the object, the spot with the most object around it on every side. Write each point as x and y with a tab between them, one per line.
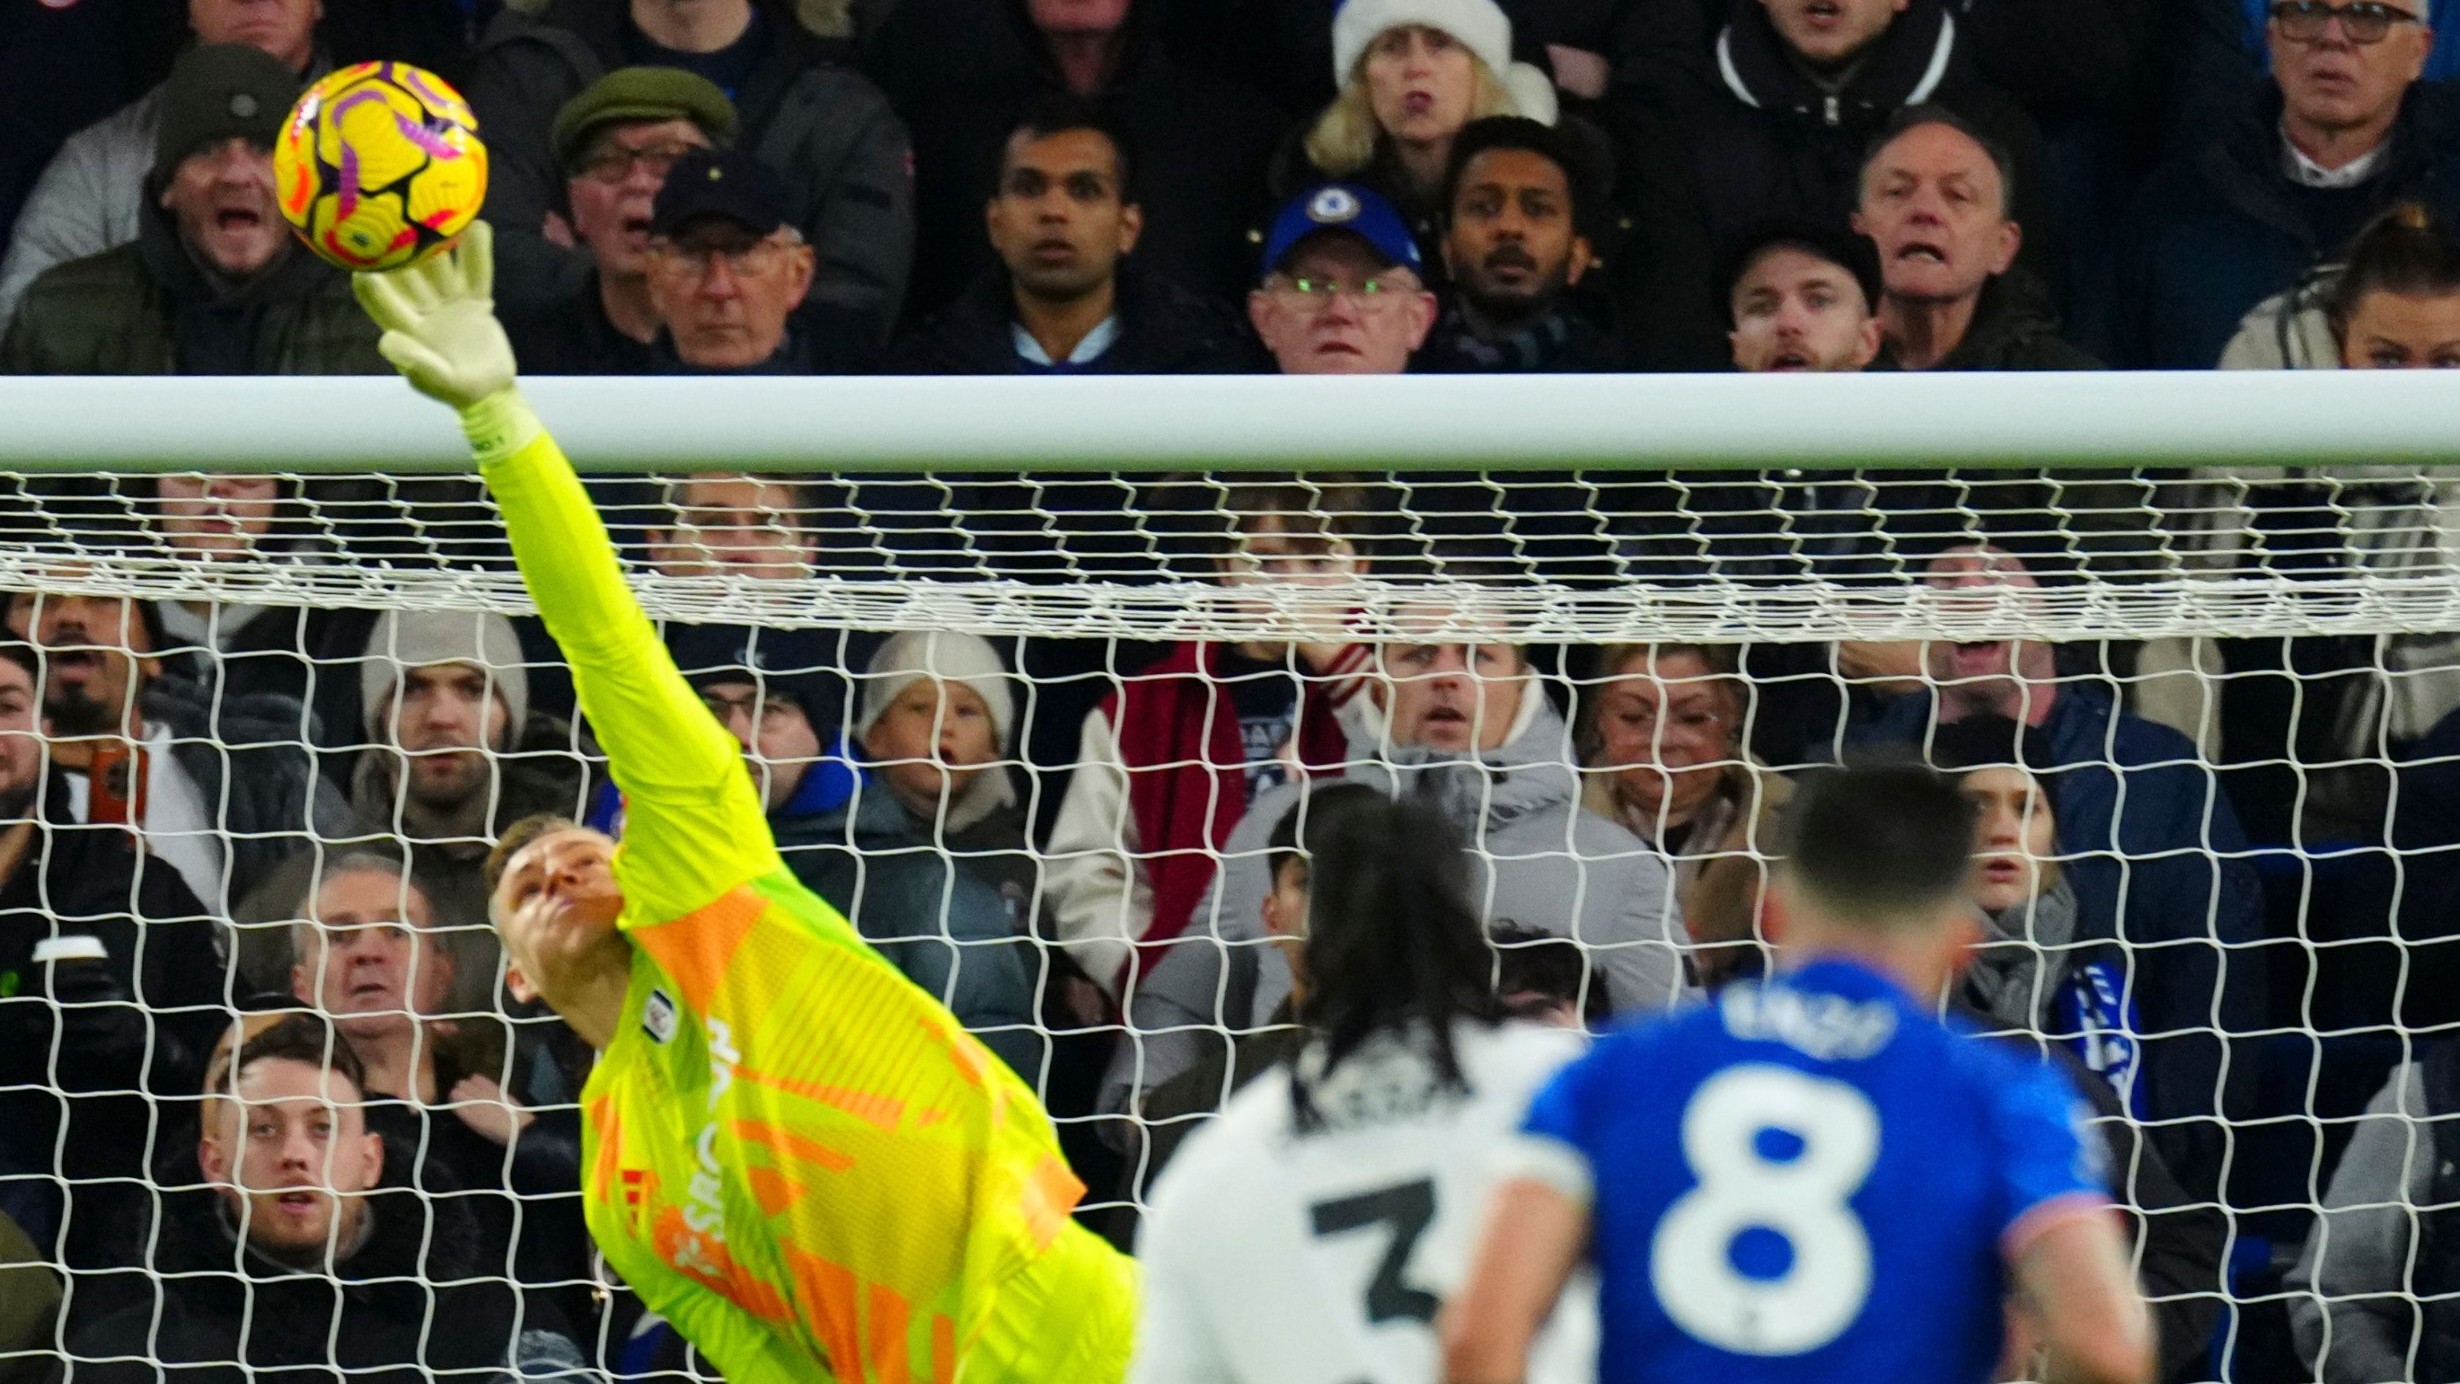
658	1017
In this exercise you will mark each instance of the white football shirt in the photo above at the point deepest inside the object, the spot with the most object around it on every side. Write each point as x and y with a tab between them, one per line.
1276	1257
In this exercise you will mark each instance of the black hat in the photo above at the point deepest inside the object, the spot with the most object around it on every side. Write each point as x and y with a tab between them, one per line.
789	665
724	183
1852	253
222	91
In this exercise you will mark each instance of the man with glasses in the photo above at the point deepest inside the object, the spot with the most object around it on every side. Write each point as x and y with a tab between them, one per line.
1342	293
615	142
2343	130
727	275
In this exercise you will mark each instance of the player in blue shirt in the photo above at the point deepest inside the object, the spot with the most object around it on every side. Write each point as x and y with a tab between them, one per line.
1813	1179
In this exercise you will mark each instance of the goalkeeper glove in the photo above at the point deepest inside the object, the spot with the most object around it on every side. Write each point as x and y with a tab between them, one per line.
440	332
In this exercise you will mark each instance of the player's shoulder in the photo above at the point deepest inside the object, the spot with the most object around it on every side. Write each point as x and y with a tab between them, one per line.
1235	1143
1515	1052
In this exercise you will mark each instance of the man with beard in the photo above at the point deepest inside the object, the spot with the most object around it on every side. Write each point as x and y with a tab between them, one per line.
1935	200
1519	198
221	790
1801	299
89	921
2155	853
1066	297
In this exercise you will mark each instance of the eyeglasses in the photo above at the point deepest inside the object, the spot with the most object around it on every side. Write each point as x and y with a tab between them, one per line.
615	165
756	260
1367	295
2366	21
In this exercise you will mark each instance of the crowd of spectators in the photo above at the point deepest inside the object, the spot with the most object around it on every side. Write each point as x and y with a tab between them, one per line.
1093	851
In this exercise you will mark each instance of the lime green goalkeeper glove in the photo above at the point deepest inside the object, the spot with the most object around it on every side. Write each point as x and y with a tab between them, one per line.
440	332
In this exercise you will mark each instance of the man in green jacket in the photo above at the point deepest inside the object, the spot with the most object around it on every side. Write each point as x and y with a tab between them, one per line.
215	284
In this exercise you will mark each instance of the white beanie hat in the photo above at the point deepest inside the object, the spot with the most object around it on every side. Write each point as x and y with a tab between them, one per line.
1479	25
407	639
949	656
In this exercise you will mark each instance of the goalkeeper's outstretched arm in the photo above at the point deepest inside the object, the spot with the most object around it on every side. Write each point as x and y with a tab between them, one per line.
667	753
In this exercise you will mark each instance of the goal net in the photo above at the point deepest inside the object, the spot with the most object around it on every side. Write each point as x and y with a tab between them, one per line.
1033	733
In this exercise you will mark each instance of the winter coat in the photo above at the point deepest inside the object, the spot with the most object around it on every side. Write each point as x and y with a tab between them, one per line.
1562	341
2158	861
2014	328
944	928
524	1201
414	1304
65	67
828	134
1541	860
244	756
1201	142
148	308
2213	234
2291	330
572	336
1163	330
1769	144
90	198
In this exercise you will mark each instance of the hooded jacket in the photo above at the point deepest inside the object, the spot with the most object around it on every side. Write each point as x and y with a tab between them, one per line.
413	1304
1163	330
962	72
1770	142
1540	860
149	308
2211	235
826	132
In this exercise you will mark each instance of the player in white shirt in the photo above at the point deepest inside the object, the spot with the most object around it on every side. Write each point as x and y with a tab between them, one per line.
1311	1232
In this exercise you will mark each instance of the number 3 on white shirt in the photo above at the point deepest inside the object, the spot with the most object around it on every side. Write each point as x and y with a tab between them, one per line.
1827	1278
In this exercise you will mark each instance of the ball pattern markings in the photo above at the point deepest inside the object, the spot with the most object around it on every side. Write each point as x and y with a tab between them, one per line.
380	166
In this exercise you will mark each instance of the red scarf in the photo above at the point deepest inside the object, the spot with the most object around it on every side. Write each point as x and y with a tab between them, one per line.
1178	734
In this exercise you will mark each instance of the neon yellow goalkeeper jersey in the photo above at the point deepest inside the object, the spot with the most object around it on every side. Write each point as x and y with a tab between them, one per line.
790	1151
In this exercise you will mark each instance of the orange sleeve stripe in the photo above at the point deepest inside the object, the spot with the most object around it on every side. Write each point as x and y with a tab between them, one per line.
884	1113
891	1318
794	1146
697	949
827	1291
1051	1193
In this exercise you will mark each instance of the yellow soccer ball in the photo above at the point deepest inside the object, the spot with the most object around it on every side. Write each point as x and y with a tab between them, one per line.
379	165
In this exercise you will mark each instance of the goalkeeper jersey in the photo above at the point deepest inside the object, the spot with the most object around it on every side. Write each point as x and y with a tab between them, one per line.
790	1151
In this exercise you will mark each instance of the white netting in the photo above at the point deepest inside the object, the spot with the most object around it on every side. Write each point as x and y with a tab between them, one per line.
2237	684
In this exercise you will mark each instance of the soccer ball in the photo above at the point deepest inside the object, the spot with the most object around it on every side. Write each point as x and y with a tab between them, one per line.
379	166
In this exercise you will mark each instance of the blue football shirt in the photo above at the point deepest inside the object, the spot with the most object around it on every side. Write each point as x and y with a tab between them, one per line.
1809	1179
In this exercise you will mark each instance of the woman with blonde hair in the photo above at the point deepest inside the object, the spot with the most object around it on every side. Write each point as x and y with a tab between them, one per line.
1411	74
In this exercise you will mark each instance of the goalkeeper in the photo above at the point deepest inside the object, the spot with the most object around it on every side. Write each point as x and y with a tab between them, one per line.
791	1152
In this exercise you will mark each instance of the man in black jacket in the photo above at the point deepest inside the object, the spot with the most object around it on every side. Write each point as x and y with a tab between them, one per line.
1519	199
312	1260
1066	298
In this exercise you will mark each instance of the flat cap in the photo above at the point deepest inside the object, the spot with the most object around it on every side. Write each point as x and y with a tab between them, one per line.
642	93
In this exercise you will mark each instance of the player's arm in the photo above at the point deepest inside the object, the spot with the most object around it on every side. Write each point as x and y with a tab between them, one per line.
1536	1233
2094	1324
668	754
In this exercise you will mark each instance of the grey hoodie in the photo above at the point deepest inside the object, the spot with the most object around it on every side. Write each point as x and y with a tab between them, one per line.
2348	1303
1543	863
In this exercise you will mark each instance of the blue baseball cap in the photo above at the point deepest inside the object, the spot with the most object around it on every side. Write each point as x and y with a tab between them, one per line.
1342	207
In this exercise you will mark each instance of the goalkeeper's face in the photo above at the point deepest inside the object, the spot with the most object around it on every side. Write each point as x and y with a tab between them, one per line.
555	910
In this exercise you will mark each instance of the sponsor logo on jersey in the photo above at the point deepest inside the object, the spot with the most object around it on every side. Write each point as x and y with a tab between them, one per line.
658	1017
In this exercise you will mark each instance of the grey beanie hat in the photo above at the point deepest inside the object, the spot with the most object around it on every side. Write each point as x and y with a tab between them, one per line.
949	656
407	639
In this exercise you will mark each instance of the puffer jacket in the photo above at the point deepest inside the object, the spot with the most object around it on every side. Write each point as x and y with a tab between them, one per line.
2291	330
825	130
1541	861
147	308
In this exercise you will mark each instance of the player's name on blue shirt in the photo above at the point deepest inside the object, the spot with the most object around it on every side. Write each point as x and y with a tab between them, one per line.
1812	1179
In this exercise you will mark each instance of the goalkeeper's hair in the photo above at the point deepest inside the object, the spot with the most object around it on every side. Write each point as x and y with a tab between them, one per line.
1883	846
1394	940
517	836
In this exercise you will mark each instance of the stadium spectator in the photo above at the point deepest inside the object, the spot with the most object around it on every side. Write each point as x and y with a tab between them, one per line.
735	523
1518	200
1169	762
1470	728
1778	123
1936	198
964	73
367	954
1067	296
77	1082
214	283
615	142
69	65
2342	131
2370	1295
825	133
1662	743
2154	852
313	1251
728	275
455	751
1343	290
1412	74
1802	299
945	928
223	792
938	731
93	194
